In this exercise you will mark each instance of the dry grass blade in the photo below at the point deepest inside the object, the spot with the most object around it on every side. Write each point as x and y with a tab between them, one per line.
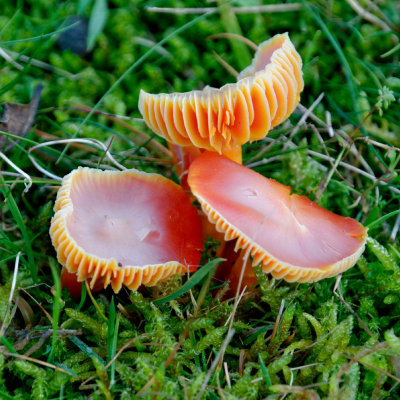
337	292
49	317
144	136
27	179
41	64
326	179
10	297
268	8
227	377
356	170
123	348
9	59
363	13
227	66
380	370
304	117
229	35
395	229
214	364
48	136
278	319
93	142
315	130
36	361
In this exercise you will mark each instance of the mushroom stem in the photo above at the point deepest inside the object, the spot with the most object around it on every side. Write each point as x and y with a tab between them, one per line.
249	279
231	268
234	154
183	156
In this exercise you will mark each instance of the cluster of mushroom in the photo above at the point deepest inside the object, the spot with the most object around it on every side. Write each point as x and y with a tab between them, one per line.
131	228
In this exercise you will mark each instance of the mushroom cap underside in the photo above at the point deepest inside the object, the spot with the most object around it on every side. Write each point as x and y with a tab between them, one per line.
219	120
291	236
126	227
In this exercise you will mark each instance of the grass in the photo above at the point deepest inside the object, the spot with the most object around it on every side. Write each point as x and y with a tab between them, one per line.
183	339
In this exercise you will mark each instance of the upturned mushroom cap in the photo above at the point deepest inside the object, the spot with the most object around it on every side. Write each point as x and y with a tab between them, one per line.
124	228
292	237
219	120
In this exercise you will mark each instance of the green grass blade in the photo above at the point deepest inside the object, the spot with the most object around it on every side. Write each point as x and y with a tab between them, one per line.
346	66
36	38
56	305
133	67
84	348
264	372
194	280
21	225
98	19
83	297
110	328
383	218
114	351
8	345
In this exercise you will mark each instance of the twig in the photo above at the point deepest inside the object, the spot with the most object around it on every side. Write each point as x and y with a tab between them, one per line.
83	108
278	319
377	144
322	338
230	35
363	13
292	389
237	10
123	348
43	65
150	43
291	369
304	117
167	362
145	137
342	134
357	170
4	54
315	130
337	292
44	363
226	65
49	136
214	364
325	180
382	371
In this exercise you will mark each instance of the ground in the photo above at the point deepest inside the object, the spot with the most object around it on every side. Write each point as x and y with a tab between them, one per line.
340	148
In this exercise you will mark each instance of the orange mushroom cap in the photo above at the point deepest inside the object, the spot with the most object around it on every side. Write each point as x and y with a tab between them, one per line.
222	119
128	227
292	237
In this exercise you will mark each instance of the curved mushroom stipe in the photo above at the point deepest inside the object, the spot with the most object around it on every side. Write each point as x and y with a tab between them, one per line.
222	119
228	191
178	231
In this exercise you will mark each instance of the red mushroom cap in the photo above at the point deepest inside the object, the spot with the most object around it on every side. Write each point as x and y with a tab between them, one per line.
126	227
291	236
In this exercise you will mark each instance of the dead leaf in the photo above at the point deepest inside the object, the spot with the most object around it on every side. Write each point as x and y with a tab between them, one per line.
18	118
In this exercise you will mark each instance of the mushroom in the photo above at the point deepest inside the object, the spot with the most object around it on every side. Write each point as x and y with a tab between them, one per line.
124	228
223	119
292	237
